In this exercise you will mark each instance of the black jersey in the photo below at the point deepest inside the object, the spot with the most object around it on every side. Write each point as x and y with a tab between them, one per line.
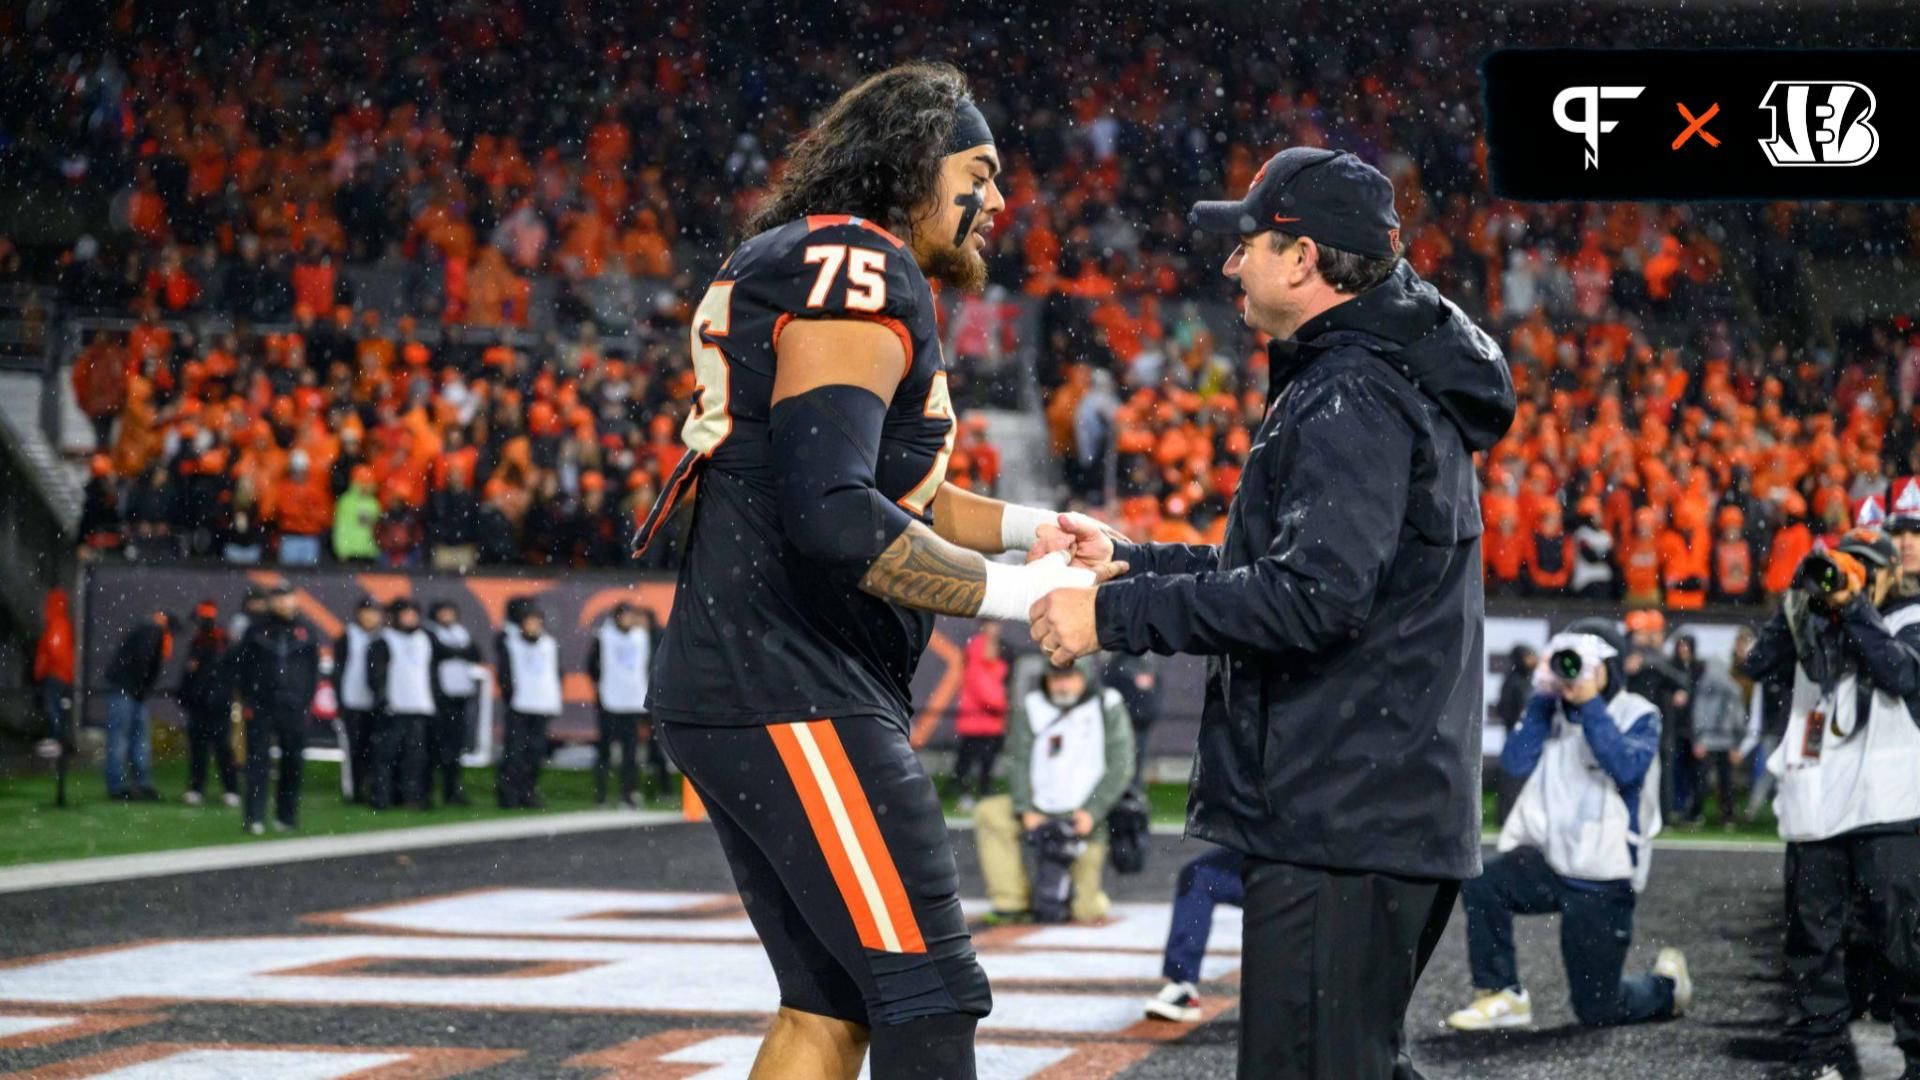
760	634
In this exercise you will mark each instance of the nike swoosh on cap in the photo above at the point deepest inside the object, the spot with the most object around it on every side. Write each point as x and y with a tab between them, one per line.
1278	220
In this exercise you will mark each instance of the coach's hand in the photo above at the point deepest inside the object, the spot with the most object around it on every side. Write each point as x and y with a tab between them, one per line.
1088	542
1063	625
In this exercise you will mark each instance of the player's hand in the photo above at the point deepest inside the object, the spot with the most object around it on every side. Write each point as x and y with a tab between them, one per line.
1082	823
1032	820
1088	542
1699	752
1735	757
1063	625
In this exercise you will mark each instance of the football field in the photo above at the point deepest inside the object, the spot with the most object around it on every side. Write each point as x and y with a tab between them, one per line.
623	953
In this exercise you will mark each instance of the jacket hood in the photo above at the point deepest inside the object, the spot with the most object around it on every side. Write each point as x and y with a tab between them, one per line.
1434	344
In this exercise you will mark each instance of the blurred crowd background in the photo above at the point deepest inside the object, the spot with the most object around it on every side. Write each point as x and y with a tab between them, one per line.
409	283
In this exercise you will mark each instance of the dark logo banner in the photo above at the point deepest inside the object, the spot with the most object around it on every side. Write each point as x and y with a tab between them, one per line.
1703	124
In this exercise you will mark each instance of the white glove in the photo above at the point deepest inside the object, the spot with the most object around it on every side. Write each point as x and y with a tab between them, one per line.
1013	590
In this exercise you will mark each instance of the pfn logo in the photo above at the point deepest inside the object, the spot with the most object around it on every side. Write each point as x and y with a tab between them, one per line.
1825	124
1589	125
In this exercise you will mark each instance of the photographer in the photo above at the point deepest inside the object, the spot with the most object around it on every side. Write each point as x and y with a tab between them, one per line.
1848	802
1069	759
1576	843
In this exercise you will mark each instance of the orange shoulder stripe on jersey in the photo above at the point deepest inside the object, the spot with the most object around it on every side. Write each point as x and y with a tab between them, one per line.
886	876
827	221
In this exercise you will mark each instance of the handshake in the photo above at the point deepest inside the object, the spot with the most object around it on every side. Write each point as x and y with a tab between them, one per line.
1067	555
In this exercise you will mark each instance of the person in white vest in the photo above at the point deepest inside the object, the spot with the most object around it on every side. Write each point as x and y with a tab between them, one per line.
455	686
527	660
1069	759
1577	842
356	695
1848	801
400	668
618	657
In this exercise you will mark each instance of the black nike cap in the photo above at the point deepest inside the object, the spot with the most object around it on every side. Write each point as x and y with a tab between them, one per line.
1329	195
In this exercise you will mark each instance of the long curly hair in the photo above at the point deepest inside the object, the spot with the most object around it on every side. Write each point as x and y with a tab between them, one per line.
876	153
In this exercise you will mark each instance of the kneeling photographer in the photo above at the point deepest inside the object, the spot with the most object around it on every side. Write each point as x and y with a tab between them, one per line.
1575	843
1849	791
1069	759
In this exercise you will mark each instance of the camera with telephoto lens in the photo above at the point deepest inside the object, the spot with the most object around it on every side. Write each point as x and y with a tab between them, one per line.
1567	664
1819	575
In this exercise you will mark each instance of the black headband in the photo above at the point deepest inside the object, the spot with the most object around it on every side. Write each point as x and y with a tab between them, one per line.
969	128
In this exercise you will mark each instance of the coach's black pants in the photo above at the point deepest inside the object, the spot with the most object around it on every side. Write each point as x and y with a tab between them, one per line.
1874	877
1329	959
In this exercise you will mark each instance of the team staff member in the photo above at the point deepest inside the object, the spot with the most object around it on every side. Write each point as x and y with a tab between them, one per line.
1343	619
1576	843
400	665
454	686
206	694
1848	804
357	702
276	668
617	662
528	661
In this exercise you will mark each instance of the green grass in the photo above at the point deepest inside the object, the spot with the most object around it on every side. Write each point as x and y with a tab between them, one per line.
33	829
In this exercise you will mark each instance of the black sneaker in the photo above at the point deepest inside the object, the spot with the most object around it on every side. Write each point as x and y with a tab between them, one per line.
457	799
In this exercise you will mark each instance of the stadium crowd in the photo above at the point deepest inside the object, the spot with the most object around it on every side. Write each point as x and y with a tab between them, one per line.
414	239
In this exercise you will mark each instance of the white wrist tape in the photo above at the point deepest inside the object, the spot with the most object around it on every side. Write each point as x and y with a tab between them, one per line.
1019	524
1013	590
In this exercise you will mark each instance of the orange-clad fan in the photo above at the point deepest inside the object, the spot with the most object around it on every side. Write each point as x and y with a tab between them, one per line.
1640	560
1732	559
1549	562
1791	543
1685	558
1504	551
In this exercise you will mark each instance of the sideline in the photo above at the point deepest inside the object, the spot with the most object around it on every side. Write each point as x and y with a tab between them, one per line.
1669	842
89	871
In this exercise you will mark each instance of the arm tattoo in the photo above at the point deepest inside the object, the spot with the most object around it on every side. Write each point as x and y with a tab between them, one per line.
920	570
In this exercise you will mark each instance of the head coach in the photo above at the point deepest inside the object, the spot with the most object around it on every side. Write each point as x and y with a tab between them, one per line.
1342	619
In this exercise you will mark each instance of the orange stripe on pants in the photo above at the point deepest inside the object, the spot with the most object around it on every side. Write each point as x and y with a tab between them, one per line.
850	839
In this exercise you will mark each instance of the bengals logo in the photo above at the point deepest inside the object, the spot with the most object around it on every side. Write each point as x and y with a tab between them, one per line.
1819	123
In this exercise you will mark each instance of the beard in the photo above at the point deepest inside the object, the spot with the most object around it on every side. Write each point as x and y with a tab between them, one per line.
959	267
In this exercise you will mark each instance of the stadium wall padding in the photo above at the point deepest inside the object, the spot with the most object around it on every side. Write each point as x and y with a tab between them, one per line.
118	595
